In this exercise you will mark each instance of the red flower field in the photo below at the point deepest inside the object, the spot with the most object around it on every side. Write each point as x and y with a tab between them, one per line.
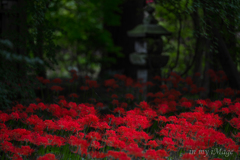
128	124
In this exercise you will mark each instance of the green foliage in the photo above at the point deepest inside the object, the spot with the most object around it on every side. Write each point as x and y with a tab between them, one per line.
169	15
225	15
26	47
15	85
81	31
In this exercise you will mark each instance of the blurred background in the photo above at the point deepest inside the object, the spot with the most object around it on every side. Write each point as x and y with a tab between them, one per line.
49	38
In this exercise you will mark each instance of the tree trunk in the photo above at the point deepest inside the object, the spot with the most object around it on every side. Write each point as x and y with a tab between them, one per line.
199	47
226	60
131	16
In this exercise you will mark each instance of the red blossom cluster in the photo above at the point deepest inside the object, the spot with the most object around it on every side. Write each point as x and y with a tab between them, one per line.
130	133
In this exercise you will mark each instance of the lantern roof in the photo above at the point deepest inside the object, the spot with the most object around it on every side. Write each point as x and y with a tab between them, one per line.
149	28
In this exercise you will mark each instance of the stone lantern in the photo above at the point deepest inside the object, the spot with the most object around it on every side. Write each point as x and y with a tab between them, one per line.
148	46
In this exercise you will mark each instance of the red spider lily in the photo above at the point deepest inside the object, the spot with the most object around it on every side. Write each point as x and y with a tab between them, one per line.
188	156
129	96
56	88
115	102
227	101
133	149
102	126
74	95
138	85
201	102
120	77
48	156
186	104
215	105
124	105
219	90
109	82
158	94
97	154
84	88
168	142
114	96
235	122
161	118
162	108
50	125
157	78
117	121
149	83
113	141
72	105
225	110
150	94
137	121
171	97
45	81
229	92
150	114
157	100
235	108
152	144
16	157
91	119
162	153
33	106
24	150
42	106
172	118
151	154
164	86
14	115
38	100
128	82
40	78
118	155
86	109
183	99
7	147
189	81
172	106
96	145
100	104
119	110
94	136
149	1
34	120
110	133
57	80
62	103
61	97
92	83
143	105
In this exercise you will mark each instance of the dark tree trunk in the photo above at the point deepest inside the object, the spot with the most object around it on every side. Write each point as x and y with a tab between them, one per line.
199	46
226	60
132	15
